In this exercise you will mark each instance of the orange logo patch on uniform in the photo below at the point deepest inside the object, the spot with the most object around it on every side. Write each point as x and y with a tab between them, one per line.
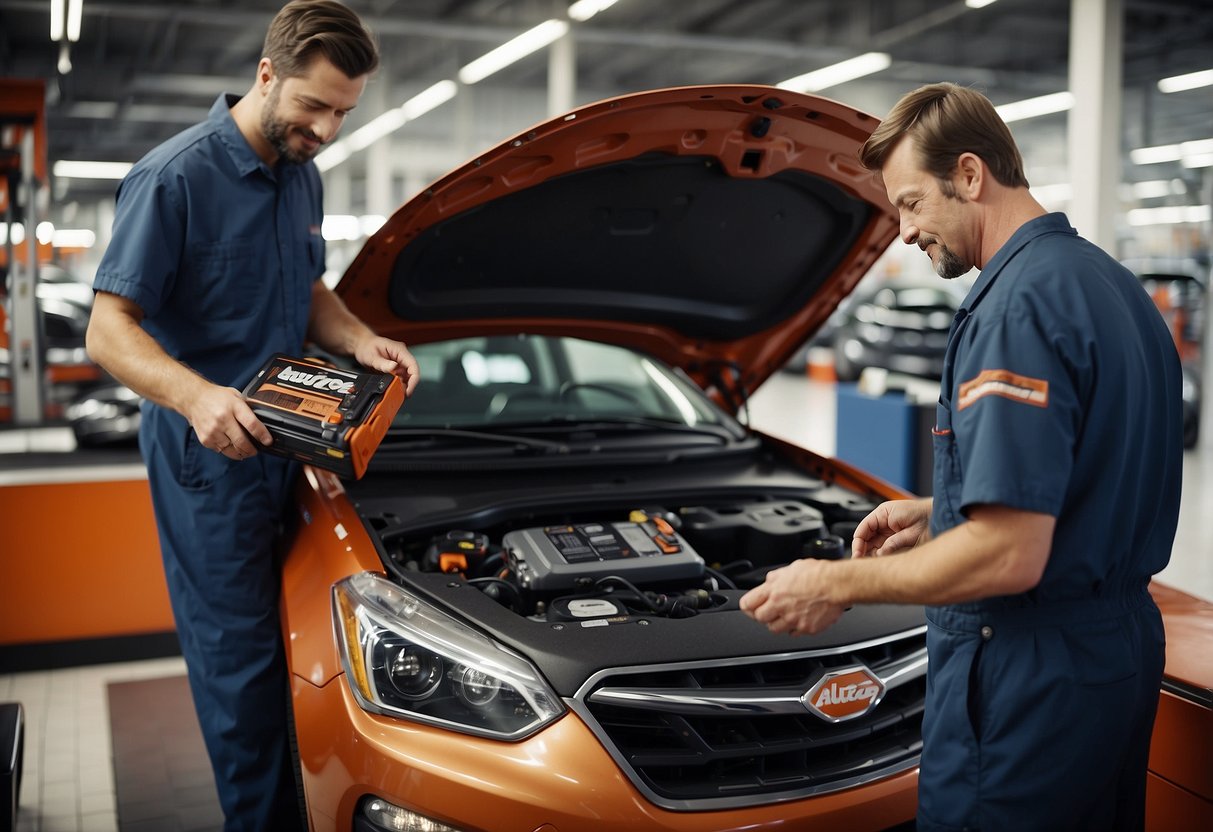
1004	383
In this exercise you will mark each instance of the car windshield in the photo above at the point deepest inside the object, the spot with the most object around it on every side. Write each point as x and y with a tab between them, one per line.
496	381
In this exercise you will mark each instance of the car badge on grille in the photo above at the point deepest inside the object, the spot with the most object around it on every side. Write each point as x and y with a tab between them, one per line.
842	694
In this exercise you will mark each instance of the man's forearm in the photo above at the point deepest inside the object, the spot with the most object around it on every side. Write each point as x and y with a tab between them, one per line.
332	326
997	552
117	342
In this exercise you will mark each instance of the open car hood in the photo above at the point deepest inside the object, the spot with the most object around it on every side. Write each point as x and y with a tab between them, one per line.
714	228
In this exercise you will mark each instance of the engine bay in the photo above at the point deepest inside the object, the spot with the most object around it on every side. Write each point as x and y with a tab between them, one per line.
670	560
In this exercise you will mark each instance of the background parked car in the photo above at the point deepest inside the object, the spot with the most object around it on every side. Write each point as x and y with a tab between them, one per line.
1180	289
900	325
64	305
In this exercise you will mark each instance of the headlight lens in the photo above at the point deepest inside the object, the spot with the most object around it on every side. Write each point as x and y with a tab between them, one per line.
405	657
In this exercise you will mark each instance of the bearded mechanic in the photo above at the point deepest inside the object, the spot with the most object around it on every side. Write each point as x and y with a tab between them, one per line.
1057	454
214	265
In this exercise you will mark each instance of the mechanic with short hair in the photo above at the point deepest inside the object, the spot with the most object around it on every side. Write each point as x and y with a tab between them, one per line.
1058	456
214	266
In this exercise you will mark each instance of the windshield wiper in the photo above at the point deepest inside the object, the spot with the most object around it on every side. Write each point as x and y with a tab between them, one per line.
635	423
436	435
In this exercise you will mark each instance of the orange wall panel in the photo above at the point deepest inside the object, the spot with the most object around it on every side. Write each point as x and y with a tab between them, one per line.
80	560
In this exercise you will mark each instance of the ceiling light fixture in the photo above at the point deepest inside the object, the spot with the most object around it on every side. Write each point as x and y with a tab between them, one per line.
978	4
1185	152
1042	105
65	20
1197	160
387	123
73	238
1190	81
57	20
1170	214
75	14
1156	188
1154	155
90	170
839	73
532	40
16	231
583	10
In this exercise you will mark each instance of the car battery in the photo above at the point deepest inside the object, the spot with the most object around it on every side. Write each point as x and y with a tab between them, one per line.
323	415
560	558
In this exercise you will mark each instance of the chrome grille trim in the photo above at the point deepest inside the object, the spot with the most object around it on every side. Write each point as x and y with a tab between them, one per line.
694	701
703	766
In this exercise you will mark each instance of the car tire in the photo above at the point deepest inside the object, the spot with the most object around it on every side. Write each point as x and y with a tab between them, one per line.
296	765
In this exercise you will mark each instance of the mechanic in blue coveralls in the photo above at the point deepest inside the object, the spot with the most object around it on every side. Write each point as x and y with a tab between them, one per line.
1058	452
214	265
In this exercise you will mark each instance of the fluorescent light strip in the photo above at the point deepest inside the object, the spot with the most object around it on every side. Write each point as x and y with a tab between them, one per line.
839	73
429	98
1183	152
90	170
1170	214
57	19
1154	188
1042	105
75	11
1198	160
1197	147
376	129
514	50
1190	81
583	10
385	124
73	238
1154	155
978	4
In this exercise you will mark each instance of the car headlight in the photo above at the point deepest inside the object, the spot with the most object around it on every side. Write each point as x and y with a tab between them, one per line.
405	657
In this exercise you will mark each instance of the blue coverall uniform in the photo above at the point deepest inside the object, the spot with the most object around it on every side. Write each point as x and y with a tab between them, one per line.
1060	395
220	251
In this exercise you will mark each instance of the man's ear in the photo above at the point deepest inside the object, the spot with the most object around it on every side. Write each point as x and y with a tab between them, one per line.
970	175
265	75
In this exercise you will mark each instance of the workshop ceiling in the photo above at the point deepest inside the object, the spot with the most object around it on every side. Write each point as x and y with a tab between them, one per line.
141	71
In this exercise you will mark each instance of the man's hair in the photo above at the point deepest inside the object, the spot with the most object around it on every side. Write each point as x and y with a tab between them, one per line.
946	120
304	28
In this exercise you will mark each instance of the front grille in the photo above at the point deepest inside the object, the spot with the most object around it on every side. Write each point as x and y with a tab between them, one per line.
735	733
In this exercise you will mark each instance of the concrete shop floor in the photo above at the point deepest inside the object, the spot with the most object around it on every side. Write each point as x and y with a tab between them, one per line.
70	754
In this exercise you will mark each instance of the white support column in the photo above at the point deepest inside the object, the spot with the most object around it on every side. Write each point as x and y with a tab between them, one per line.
25	337
379	155
1096	51
562	74
338	190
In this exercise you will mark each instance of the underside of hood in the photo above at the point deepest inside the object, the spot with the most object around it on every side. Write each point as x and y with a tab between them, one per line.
713	227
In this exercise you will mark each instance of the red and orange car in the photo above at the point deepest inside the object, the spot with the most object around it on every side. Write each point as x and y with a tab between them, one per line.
525	616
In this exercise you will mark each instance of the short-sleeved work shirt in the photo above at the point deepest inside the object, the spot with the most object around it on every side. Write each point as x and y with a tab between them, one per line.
218	249
1061	395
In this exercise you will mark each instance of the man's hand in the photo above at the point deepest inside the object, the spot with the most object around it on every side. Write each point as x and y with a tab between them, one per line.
224	423
892	527
794	599
388	356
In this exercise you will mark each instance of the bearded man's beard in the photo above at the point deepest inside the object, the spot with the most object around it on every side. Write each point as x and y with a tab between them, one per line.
276	132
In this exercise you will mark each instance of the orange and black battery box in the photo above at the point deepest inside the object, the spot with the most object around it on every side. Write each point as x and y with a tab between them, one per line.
323	415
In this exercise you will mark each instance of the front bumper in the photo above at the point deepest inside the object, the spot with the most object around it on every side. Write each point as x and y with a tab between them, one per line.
559	780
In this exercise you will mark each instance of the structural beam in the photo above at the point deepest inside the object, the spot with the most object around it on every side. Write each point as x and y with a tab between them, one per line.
1096	51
